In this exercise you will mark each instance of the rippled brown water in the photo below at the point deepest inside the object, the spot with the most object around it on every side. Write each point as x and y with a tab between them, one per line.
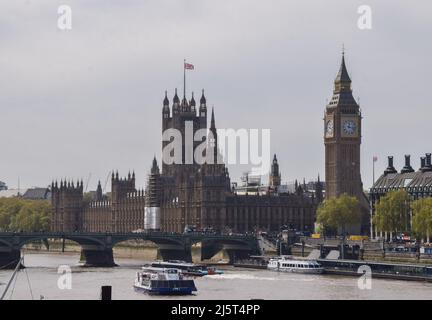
236	283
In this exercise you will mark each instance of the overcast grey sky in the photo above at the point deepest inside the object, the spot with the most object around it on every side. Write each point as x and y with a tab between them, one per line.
89	99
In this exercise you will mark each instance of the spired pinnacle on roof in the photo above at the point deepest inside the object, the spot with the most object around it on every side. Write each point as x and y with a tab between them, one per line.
184	103
176	98
99	193
166	101
155	167
192	101
203	99
212	121
342	93
342	75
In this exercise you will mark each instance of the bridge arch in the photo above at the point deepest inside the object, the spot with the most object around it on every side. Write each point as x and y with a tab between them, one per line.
97	248
235	248
94	250
169	247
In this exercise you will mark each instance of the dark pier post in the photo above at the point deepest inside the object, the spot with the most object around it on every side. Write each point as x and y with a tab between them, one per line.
94	256
169	253
98	254
236	255
179	250
209	249
106	293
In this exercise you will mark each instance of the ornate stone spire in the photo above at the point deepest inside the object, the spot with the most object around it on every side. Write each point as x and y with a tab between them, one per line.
166	101
203	100
155	167
342	75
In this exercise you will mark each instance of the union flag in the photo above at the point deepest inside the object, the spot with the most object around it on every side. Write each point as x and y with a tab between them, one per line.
188	66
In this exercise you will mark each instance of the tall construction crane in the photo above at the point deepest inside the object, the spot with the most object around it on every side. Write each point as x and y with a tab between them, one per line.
87	183
106	181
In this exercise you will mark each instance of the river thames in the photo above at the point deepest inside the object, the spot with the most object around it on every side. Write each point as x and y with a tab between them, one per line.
235	283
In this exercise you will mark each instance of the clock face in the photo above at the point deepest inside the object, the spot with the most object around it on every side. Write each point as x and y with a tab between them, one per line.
349	127
329	127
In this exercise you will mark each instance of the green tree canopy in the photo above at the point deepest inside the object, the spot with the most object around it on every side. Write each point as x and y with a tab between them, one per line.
422	217
17	214
339	212
392	212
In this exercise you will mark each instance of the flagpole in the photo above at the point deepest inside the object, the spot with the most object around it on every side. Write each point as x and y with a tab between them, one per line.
184	78
373	170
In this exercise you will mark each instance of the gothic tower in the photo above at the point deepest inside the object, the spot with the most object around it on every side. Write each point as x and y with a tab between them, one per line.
275	176
99	193
120	187
184	120
342	139
67	203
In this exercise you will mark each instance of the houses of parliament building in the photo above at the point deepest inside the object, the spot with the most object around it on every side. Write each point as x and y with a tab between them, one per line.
183	195
180	195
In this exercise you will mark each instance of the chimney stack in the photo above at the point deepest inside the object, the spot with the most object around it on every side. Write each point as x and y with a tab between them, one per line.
426	164
407	167
422	163
390	167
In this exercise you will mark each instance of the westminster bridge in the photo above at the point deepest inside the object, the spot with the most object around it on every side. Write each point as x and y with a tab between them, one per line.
97	248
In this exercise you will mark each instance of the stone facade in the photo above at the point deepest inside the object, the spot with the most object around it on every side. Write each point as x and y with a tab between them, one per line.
418	184
342	140
183	195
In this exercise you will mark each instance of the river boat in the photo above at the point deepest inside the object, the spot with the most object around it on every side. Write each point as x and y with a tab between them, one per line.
188	268
163	281
287	264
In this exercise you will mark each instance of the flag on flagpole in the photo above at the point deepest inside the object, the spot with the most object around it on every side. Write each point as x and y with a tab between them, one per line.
188	66
375	158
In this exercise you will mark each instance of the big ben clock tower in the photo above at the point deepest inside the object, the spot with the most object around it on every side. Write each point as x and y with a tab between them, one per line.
342	139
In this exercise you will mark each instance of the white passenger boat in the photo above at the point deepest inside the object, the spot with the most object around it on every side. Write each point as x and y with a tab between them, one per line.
287	264
165	281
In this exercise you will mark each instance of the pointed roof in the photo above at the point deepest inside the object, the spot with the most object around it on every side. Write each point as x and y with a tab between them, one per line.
155	167
203	99
176	98
342	92
184	104
192	101
342	75
166	101
212	121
